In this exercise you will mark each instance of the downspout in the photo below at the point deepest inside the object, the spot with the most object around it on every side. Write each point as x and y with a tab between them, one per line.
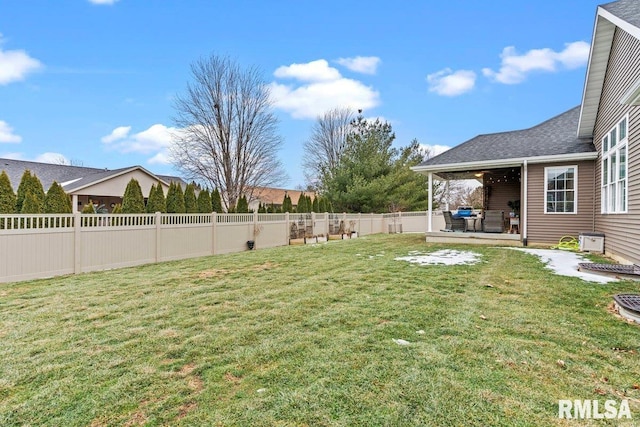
430	202
525	185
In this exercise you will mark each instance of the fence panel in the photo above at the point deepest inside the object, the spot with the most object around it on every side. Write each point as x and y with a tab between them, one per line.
233	237
114	247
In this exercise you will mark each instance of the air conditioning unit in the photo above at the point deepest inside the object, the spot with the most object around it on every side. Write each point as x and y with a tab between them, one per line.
591	242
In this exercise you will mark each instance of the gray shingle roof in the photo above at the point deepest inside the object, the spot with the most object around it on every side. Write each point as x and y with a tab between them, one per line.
555	136
74	176
627	10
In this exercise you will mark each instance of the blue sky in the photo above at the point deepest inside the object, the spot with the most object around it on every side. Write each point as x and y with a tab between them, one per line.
93	81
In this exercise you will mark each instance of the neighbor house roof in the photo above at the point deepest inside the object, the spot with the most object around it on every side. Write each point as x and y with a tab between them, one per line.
72	178
624	14
268	195
554	137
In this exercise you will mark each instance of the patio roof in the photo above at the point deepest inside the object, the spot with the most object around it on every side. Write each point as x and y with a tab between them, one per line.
552	140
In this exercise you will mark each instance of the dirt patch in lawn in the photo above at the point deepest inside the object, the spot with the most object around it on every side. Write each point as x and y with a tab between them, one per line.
220	272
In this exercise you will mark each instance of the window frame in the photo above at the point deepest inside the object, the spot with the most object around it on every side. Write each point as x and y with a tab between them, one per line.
614	190
565	168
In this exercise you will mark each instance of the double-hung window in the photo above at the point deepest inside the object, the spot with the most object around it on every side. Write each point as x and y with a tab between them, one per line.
614	169
561	189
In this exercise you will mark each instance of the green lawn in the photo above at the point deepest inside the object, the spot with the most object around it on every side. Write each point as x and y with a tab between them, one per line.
303	335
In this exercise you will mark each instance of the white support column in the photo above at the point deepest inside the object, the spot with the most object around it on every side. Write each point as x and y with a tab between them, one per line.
523	213
430	203
74	203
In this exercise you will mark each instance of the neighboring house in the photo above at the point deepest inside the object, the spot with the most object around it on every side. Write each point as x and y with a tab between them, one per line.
579	171
268	196
101	186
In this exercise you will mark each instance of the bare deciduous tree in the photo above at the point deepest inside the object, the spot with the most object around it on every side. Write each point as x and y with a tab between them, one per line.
326	144
228	137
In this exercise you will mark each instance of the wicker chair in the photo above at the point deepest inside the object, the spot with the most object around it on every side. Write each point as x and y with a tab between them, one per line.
451	223
493	222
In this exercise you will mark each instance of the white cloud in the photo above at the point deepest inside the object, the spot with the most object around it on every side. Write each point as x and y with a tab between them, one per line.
7	135
361	64
451	83
515	67
118	133
156	139
107	2
435	149
55	158
13	156
314	71
15	65
322	88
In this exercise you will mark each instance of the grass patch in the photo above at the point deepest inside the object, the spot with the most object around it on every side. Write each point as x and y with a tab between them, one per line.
297	336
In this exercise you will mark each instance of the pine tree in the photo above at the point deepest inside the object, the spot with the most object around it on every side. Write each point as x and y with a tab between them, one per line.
204	201
89	208
286	204
216	201
31	204
315	205
175	199
243	206
56	201
133	200
30	184
7	196
302	203
117	209
190	201
156	201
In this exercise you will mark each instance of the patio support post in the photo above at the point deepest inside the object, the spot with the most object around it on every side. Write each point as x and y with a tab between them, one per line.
430	203
74	203
523	214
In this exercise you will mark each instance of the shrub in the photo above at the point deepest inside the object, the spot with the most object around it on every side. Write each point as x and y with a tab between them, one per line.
30	184
133	200
56	201
242	206
190	201
156	201
204	201
7	196
117	209
315	205
31	204
175	199
216	201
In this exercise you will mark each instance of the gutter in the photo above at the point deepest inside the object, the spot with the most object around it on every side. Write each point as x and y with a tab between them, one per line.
492	164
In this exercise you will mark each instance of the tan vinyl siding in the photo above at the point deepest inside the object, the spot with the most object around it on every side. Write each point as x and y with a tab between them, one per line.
549	228
622	231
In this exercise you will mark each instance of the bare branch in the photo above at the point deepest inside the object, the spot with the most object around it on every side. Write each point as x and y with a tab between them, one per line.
229	137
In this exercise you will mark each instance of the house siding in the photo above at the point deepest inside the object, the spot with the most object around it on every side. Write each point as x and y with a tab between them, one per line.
622	231
549	228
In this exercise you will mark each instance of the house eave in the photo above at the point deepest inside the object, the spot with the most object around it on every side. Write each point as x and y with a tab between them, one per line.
601	43
76	190
503	163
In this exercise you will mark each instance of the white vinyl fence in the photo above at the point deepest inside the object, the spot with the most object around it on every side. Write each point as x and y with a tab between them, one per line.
38	246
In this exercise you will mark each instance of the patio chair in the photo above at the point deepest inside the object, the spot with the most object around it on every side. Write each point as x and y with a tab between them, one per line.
451	223
493	222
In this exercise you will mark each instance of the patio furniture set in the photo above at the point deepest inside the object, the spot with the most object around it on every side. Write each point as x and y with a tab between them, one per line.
490	221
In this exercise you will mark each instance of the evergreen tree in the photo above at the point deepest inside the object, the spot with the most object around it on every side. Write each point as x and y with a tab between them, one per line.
287	206
315	204
31	204
133	200
243	206
117	209
175	199
204	201
302	204
7	196
262	208
216	201
156	201
56	201
190	201
89	208
30	184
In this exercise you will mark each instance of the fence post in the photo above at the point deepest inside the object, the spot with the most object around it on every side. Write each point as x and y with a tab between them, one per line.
401	225
214	232
326	224
313	224
359	221
286	228
77	243
253	232
158	220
